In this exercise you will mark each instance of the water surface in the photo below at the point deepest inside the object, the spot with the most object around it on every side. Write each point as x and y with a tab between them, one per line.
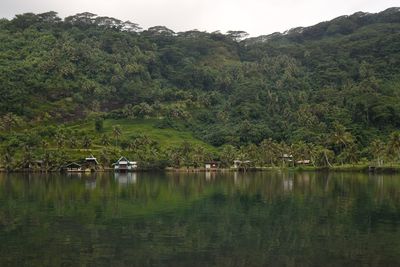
169	219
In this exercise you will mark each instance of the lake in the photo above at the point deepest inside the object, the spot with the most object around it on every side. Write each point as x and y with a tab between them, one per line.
201	219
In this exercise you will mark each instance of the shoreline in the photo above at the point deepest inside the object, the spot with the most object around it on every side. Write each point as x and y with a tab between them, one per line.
345	168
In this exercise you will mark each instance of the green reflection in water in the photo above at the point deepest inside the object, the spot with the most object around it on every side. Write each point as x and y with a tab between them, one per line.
168	219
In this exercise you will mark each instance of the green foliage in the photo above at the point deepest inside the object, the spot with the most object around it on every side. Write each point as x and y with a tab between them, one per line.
333	86
98	125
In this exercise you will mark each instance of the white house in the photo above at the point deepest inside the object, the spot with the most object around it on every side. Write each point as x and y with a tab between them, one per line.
124	165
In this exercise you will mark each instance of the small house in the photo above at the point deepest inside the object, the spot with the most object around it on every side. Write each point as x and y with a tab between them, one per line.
211	166
303	162
287	157
72	167
124	165
91	162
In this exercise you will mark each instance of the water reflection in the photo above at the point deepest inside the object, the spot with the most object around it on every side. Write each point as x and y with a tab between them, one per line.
125	178
200	219
90	184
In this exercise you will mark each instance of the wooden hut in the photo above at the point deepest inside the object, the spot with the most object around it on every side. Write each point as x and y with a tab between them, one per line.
91	163
124	165
211	166
73	167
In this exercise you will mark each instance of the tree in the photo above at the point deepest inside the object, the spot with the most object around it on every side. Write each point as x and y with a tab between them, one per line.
142	110
49	17
237	35
270	151
86	142
60	139
350	154
81	19
160	31
377	150
9	121
199	156
117	133
394	145
25	20
300	151
323	156
227	155
27	156
105	140
7	159
340	137
73	143
99	125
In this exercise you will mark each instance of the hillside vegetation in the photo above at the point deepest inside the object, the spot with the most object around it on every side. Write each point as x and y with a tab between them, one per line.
90	84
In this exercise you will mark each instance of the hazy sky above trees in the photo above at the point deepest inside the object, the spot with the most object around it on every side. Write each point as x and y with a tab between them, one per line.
254	16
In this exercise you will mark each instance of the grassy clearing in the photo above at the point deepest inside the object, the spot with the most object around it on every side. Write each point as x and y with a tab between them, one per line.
132	128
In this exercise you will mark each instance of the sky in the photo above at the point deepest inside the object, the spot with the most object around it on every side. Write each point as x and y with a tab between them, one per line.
257	17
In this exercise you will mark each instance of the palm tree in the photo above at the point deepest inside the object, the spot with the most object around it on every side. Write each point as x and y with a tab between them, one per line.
198	156
350	153
60	140
228	155
186	149
323	156
44	144
117	132
313	152
105	157
8	158
253	154
131	145
377	150
105	140
268	151
8	121
394	145
299	150
72	142
86	142
27	157
340	137
176	157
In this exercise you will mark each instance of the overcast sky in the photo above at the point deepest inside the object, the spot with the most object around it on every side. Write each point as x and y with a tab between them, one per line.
257	17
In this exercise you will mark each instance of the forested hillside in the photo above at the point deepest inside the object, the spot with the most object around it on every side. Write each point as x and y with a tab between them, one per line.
334	86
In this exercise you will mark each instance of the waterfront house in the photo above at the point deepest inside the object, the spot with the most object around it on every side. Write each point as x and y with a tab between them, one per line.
287	157
303	162
91	163
72	167
211	166
124	165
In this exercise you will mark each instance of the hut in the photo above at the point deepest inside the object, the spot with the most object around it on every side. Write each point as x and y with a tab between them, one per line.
287	159
303	162
124	165
91	163
72	167
211	165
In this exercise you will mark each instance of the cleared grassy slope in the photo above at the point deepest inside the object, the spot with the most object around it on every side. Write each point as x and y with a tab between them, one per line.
133	128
